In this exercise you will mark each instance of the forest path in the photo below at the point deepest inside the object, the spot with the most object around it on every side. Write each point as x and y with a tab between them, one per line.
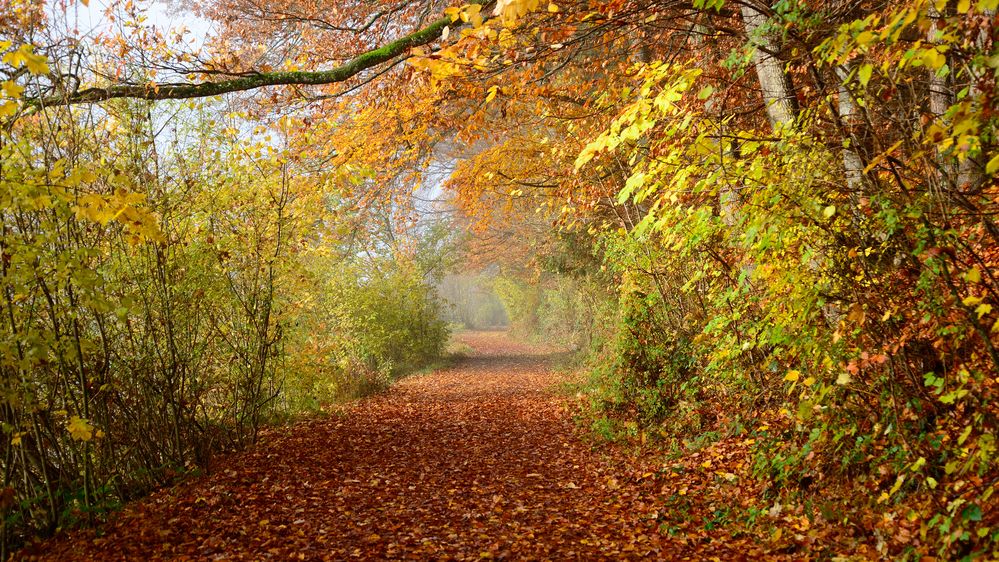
479	460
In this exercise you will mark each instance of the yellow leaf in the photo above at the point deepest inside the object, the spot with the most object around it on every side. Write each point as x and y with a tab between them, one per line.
898	484
552	7
973	275
492	93
993	165
829	211
971	301
805	409
472	14
963	6
864	74
12	89
25	56
933	59
80	429
506	39
792	376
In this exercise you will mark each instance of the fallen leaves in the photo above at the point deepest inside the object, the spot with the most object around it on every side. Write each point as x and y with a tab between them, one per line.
479	461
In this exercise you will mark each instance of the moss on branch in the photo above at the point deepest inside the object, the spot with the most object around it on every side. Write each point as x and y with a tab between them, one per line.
341	73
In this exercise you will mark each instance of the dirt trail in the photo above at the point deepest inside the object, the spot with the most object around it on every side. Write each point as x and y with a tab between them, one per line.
480	460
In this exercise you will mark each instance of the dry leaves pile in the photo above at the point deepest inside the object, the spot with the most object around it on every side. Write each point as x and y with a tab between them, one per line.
477	461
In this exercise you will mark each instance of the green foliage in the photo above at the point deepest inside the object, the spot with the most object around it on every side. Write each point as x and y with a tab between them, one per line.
164	298
852	315
567	302
358	332
557	310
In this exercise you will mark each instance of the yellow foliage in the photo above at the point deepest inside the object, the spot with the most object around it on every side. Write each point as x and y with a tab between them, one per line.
80	429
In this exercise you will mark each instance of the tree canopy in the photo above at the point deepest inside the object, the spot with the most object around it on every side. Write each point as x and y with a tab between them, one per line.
771	221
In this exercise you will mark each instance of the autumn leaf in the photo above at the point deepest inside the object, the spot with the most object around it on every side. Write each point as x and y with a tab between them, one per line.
80	429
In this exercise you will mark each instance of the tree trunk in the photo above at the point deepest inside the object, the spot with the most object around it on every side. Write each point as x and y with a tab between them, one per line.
853	165
775	83
940	94
971	172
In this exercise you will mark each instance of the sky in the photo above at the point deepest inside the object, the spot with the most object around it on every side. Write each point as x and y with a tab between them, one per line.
168	15
165	15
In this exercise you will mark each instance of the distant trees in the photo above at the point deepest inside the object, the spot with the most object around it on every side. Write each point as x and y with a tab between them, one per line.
472	301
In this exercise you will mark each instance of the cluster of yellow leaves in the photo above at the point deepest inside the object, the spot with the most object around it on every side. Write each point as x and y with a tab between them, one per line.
81	429
469	13
23	56
26	57
442	65
637	118
125	207
448	62
509	11
862	35
11	93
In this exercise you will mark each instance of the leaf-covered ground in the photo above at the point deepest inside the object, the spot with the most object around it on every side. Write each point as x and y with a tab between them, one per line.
480	460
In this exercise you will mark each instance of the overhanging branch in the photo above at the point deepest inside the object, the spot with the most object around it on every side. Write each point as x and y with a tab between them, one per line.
341	73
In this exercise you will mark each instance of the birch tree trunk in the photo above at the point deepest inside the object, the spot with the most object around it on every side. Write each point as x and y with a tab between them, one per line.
940	94
971	172
775	83
853	165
